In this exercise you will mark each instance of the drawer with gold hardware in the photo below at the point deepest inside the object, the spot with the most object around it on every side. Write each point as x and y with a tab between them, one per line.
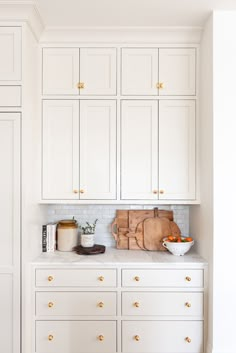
162	336
162	278
163	303
75	336
76	278
75	303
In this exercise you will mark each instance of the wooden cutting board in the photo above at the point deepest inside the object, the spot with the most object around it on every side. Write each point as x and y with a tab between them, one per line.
154	229
137	216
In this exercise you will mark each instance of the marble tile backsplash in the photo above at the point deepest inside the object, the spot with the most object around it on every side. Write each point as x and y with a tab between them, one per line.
106	214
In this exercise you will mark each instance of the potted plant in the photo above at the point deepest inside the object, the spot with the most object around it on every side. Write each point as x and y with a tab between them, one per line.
87	236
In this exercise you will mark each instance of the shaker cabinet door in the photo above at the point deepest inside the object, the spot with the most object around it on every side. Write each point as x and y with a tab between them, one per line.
139	150
60	149
177	150
10	58
98	149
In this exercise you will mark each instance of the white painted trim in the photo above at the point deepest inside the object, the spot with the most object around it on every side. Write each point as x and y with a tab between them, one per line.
209	348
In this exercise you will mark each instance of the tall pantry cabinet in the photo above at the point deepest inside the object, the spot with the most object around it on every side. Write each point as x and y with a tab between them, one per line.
10	180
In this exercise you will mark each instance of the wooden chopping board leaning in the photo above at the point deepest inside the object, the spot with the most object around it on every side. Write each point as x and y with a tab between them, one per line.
143	229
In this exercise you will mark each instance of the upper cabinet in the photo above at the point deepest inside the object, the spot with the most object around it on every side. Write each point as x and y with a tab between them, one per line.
163	72
10	58
84	71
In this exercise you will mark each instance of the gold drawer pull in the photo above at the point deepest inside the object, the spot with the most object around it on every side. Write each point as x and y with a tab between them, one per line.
137	338
188	339
188	279
80	85
101	278
136	304
101	304
81	191
155	191
50	278
162	191
75	191
188	305
50	304
160	85
50	337
136	278
101	338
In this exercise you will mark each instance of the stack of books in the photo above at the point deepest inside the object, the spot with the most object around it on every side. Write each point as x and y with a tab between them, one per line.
49	237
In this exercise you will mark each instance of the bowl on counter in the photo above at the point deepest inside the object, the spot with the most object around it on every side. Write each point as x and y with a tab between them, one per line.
178	246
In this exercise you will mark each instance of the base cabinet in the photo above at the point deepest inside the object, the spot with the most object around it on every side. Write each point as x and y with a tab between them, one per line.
119	308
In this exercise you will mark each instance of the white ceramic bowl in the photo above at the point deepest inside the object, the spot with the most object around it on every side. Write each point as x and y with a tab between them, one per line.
178	249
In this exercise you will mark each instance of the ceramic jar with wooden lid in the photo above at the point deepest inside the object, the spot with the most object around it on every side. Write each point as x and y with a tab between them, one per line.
67	235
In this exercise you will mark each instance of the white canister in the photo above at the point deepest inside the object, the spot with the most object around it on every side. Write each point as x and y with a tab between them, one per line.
87	240
67	235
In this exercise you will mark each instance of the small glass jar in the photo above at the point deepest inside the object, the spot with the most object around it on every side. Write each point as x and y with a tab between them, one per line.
67	235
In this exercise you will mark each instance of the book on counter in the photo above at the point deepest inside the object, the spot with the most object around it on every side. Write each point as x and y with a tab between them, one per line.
49	237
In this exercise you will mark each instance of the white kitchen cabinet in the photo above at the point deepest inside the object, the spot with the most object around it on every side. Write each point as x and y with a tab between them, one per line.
163	71
10	234
79	149
139	149
10	58
75	71
177	150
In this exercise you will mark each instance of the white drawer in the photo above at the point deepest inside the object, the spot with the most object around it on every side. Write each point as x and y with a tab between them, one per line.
75	336
162	303
162	336
75	303
76	278
10	96
162	278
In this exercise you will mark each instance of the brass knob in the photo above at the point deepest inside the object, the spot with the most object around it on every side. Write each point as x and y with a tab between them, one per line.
50	278
155	191
50	337
188	279
188	339
101	304
101	338
50	304
137	338
136	278
80	85
160	85
188	305
81	191
101	278
75	191
136	304
161	191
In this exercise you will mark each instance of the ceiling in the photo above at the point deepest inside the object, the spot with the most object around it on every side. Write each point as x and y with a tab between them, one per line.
148	13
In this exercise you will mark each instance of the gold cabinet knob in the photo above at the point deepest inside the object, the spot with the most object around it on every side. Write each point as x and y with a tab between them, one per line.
50	337
136	278
101	278
137	338
188	279
75	191
81	191
136	304
50	278
101	304
50	304
155	191
188	305
188	339
101	338
161	191
80	85
160	85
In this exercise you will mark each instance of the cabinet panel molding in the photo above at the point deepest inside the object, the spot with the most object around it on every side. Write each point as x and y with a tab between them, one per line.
10	58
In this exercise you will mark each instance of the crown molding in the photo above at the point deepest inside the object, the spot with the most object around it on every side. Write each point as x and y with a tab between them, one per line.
165	35
22	11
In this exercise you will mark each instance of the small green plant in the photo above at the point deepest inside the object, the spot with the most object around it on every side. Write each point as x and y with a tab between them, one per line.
89	228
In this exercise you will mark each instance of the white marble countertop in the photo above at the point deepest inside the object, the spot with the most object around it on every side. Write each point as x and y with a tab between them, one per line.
116	257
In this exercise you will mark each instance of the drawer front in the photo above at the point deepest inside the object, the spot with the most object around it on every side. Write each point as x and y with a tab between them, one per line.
162	336
76	278
10	96
75	303
162	303
162	278
75	336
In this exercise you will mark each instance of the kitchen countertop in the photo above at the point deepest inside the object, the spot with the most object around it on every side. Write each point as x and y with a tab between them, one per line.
115	257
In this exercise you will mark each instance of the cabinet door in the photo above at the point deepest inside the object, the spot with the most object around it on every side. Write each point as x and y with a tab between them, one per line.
60	71
10	58
177	149
177	71
10	232
60	149
139	72
98	71
97	149
139	150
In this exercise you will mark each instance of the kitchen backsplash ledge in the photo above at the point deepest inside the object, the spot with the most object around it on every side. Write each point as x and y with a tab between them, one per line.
106	214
